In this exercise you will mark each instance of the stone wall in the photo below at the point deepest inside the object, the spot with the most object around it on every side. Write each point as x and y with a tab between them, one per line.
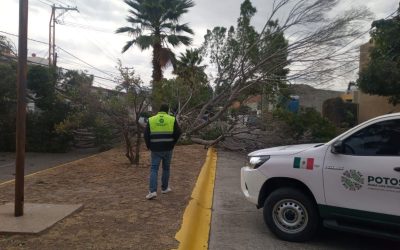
311	97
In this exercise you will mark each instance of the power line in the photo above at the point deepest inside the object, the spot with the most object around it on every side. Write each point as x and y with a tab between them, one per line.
59	2
101	84
30	39
72	62
87	27
45	65
86	63
51	2
44	3
103	49
96	76
75	63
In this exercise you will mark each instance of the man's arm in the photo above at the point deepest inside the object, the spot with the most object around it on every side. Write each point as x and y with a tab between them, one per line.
147	135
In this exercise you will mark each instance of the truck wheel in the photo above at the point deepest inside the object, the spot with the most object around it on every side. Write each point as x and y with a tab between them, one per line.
291	215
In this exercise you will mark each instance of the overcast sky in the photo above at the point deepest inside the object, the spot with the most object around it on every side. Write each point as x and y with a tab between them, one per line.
90	36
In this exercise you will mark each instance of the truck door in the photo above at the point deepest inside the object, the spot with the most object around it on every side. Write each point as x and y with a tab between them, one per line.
365	174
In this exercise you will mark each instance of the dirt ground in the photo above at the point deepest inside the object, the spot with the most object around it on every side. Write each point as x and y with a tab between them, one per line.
115	215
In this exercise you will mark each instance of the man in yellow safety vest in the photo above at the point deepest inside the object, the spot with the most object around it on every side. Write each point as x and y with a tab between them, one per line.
161	134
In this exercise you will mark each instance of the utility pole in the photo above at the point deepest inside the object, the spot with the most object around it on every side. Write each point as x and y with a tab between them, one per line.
21	108
52	31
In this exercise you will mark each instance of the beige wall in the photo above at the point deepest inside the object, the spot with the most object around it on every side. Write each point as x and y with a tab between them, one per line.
370	106
365	51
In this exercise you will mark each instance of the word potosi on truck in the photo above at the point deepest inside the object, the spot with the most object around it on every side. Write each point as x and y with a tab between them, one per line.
351	183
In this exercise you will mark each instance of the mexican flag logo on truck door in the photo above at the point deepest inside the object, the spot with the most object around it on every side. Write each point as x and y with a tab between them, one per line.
304	163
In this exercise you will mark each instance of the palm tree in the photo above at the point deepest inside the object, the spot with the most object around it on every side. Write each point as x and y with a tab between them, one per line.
192	83
155	23
188	67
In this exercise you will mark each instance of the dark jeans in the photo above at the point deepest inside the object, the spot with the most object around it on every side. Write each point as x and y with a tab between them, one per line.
156	158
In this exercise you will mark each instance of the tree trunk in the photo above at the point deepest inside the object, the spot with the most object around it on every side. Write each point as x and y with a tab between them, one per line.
138	142
157	77
129	150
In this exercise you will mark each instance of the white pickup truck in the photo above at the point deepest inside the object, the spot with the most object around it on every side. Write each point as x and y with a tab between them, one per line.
351	183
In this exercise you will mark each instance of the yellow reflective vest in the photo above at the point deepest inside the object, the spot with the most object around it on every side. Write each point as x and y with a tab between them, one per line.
160	134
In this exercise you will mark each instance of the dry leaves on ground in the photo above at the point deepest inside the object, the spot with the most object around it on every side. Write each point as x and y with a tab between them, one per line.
116	215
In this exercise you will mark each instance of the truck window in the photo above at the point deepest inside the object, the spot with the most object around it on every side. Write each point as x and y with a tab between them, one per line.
382	138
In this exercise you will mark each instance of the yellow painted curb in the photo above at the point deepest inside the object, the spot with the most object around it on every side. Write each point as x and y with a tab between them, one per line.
195	229
51	168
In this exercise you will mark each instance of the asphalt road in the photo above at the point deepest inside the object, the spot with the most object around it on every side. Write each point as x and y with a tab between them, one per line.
238	224
35	162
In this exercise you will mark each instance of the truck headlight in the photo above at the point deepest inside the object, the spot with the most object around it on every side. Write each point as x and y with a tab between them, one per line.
256	161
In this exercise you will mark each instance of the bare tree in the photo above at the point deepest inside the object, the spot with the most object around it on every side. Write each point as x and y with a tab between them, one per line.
125	110
7	47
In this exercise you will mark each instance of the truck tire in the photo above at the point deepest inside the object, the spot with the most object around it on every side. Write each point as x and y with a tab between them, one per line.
291	215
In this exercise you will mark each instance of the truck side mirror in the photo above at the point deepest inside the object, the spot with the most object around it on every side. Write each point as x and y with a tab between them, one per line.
337	147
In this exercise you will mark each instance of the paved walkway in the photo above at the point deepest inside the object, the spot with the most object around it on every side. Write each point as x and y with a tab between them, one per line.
238	224
35	162
230	229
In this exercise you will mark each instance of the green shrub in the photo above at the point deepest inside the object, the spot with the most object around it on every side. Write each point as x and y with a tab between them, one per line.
7	134
307	121
41	135
103	133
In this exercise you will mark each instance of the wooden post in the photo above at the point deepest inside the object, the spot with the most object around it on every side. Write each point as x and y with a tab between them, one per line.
21	108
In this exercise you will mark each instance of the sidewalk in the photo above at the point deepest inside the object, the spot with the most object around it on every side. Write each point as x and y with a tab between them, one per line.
116	214
35	162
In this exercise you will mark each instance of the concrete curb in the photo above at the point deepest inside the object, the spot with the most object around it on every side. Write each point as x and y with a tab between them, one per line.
195	229
51	168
